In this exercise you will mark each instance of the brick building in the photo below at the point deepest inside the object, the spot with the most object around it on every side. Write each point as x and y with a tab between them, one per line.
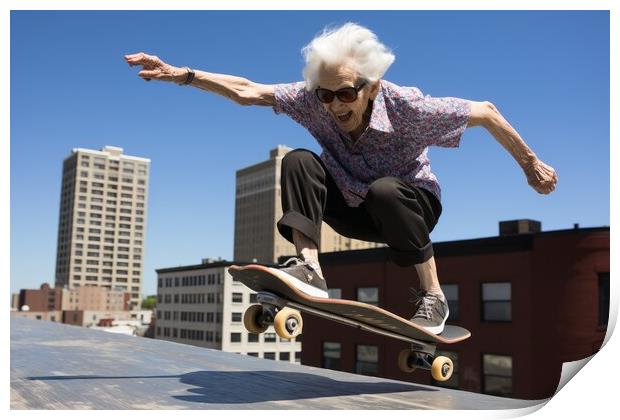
45	298
532	300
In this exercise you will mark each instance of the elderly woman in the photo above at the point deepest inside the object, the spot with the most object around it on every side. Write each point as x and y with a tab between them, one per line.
373	179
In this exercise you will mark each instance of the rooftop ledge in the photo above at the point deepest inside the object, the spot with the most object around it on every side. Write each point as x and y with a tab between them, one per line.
57	366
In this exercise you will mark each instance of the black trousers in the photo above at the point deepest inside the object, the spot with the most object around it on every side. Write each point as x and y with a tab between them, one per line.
393	212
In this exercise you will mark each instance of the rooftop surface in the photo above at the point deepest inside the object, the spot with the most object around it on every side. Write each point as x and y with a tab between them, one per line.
57	366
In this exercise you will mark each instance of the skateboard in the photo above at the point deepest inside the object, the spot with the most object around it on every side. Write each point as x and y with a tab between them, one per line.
280	304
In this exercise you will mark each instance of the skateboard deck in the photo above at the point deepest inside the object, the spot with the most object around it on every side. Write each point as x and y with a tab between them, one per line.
280	304
260	278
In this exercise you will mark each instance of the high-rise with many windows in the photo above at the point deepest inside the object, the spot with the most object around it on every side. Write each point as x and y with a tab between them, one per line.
102	222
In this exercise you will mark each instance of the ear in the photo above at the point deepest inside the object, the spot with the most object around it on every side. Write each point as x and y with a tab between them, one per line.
374	89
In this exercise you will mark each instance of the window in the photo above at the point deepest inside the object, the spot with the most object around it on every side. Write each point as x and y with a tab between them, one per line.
237	297
235	337
334	293
236	317
252	338
331	355
496	302
286	356
368	295
270	355
270	337
367	360
497	375
603	299
451	291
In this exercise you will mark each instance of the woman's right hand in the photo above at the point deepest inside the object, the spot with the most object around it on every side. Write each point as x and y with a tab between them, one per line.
154	68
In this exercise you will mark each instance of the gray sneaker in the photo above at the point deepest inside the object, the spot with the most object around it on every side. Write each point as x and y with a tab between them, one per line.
432	312
304	277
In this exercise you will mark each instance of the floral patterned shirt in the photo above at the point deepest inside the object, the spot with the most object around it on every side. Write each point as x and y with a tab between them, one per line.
402	125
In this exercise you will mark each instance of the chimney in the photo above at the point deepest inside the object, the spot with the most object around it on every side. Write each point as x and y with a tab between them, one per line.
519	227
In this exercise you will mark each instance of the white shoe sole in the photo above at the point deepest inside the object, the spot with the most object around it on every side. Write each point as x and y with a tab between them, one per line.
298	284
438	329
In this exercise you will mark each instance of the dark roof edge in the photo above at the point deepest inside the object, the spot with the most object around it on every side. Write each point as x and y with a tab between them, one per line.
464	247
215	264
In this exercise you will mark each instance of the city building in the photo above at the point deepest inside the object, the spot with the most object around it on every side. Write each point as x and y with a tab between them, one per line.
14	301
92	298
43	299
95	298
102	223
52	316
86	306
203	306
531	299
258	207
137	321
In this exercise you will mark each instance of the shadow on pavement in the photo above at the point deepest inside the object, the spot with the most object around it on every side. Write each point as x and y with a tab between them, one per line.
217	387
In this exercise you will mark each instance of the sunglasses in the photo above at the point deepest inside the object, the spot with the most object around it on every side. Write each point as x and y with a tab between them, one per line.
348	94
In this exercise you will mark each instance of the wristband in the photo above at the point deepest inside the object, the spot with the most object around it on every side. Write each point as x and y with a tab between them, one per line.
190	76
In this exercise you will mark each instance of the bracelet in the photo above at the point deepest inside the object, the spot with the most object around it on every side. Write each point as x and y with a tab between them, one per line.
190	76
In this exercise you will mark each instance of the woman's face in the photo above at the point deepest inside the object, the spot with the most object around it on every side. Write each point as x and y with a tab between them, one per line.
348	116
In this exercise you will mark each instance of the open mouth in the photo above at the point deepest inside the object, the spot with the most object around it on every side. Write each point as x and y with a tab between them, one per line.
344	117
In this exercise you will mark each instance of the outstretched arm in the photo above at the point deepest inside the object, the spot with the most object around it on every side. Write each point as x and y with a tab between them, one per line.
540	176
237	89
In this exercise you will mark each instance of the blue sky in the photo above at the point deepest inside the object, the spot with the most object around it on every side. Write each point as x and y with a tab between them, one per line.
547	72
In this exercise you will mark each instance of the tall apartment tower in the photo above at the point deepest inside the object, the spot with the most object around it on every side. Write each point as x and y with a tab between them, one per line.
258	207
102	221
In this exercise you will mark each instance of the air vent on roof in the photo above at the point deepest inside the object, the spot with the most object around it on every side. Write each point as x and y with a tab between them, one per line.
519	227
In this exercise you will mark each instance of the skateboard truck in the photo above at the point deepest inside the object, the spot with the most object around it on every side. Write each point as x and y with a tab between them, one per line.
266	298
279	304
272	309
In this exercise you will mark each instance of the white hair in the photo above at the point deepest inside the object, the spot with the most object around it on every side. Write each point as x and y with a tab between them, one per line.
349	44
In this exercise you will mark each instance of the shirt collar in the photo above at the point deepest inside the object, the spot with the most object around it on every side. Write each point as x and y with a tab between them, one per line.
379	120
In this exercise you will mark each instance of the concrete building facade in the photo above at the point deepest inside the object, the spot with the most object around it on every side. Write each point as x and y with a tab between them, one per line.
258	207
532	301
201	305
103	318
102	222
95	299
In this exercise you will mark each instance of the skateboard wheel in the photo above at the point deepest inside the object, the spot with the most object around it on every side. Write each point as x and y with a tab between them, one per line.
288	323
252	321
442	369
403	361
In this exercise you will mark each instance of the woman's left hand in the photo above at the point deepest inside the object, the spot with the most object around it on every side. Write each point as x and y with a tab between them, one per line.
541	177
